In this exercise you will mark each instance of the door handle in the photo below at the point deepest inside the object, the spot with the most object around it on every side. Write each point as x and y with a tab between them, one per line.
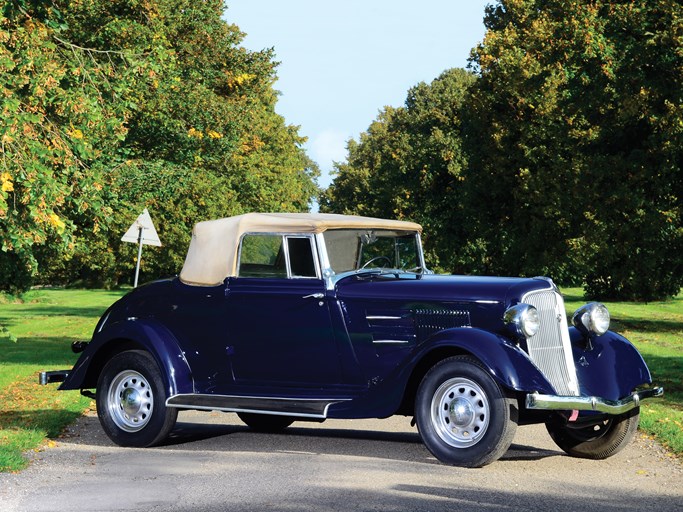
314	296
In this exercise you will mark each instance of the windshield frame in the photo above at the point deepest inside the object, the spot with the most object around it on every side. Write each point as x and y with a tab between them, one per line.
331	277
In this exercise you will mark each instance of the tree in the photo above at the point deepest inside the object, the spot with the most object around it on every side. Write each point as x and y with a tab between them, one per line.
409	164
575	144
56	127
177	117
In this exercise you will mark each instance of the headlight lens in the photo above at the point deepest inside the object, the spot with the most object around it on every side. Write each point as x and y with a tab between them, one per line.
522	320
592	318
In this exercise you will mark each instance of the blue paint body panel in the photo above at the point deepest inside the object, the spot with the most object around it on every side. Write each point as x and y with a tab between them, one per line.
358	345
612	368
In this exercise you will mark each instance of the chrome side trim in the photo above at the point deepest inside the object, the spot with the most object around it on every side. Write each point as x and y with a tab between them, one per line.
382	317
392	341
301	407
590	403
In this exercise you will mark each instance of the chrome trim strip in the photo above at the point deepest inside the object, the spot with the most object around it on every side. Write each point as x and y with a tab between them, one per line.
279	406
392	341
382	317
590	403
487	301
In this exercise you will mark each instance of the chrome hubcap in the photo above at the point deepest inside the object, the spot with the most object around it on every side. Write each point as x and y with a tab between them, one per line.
460	412
130	401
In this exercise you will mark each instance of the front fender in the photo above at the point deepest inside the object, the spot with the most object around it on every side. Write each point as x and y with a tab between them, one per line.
506	362
610	367
147	334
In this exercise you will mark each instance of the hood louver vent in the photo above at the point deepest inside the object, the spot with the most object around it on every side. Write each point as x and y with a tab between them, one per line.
430	321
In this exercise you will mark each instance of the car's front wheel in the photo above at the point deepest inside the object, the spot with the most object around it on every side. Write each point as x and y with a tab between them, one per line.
597	441
463	416
131	400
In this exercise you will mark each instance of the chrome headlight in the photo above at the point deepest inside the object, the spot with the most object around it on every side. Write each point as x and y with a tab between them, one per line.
593	318
522	320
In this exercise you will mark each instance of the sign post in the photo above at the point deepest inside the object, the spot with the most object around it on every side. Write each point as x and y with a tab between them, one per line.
141	232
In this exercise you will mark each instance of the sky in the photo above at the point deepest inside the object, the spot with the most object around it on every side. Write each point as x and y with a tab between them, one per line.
341	62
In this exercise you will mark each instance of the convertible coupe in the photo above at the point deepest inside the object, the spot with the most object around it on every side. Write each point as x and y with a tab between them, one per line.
302	317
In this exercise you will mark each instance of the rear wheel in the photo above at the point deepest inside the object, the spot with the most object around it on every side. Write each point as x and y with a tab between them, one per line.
131	400
597	441
462	415
265	422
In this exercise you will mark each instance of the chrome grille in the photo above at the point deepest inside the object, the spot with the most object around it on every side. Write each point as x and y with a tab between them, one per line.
550	348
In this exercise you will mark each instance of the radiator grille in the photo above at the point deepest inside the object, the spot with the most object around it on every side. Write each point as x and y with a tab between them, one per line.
550	348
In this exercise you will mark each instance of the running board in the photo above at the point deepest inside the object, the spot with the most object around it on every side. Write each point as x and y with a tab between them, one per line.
301	407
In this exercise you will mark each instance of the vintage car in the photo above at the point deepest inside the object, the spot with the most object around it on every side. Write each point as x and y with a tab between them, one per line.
303	317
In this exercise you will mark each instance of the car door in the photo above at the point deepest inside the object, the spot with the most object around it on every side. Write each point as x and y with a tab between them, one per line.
279	329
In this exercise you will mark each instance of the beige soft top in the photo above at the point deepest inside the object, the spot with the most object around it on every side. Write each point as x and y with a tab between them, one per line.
212	255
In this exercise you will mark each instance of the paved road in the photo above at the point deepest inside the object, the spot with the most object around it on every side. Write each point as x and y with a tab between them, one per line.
213	463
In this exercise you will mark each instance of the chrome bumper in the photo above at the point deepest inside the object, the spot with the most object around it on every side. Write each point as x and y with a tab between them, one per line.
590	403
50	377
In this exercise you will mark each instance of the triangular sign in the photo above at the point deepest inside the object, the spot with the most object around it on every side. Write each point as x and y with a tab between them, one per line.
148	233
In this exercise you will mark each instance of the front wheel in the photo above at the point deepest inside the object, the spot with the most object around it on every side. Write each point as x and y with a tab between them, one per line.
597	441
131	400
462	415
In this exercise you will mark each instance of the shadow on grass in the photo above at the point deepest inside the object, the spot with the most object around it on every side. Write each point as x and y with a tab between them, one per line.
666	372
47	352
18	316
647	326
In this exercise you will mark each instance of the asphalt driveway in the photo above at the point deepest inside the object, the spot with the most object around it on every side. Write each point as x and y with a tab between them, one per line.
214	463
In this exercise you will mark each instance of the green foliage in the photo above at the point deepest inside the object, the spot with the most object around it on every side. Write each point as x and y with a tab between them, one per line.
576	145
562	159
409	164
113	106
56	126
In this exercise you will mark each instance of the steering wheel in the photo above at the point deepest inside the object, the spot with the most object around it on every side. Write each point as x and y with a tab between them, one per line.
376	258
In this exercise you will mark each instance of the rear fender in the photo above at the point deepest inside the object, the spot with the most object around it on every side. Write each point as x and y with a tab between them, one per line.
140	334
508	364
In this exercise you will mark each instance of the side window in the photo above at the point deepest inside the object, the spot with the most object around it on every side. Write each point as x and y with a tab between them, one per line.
301	257
262	256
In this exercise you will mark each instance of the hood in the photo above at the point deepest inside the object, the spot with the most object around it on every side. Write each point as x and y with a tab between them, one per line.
504	291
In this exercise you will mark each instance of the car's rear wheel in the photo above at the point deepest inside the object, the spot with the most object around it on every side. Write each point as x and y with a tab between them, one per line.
131	400
265	422
597	441
463	416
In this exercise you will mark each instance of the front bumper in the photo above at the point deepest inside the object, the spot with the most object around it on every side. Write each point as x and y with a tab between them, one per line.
590	403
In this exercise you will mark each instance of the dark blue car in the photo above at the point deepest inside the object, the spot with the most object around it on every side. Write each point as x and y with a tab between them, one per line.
303	317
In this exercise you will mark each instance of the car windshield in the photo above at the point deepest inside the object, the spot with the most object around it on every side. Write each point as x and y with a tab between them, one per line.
355	249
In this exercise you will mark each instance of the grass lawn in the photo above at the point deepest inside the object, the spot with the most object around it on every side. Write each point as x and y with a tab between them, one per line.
45	322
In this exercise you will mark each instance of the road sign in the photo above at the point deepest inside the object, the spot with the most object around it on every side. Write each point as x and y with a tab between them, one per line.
141	232
149	232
